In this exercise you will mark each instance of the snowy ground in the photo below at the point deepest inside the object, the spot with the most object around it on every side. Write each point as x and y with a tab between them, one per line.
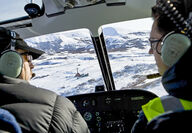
57	72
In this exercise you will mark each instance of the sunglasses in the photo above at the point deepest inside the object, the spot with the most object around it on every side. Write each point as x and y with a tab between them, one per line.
29	57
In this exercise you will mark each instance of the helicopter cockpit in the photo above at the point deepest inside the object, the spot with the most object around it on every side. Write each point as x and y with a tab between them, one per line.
110	94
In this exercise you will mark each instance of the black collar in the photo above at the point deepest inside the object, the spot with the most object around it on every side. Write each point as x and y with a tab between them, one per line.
9	80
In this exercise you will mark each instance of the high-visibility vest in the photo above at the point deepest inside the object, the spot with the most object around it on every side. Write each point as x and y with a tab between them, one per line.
160	105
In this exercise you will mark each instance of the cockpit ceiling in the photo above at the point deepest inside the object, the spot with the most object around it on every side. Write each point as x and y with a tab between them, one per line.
57	6
53	7
56	18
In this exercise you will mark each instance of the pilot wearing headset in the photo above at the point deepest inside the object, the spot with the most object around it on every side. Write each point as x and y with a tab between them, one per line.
170	40
36	110
20	67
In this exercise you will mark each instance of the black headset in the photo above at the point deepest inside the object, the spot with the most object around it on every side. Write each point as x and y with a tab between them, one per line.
11	62
175	43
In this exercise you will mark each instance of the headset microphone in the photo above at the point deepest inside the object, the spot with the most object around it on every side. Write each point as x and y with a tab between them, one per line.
33	75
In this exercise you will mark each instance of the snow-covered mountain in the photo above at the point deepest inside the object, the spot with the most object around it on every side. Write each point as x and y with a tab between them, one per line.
72	53
82	42
61	42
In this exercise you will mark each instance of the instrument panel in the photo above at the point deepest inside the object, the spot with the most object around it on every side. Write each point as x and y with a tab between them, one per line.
111	111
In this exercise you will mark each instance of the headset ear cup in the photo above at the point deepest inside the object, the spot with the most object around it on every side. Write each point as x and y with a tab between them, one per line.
11	64
173	48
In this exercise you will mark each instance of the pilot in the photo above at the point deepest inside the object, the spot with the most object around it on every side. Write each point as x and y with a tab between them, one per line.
170	40
36	110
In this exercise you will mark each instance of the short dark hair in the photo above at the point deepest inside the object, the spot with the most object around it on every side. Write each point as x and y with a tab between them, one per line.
164	24
5	39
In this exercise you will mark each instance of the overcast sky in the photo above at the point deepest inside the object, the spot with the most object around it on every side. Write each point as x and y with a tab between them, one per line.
14	8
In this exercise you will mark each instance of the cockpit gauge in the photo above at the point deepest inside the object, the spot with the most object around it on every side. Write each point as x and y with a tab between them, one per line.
87	116
86	103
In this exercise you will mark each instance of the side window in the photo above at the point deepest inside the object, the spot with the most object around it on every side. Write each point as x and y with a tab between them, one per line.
127	45
69	66
13	10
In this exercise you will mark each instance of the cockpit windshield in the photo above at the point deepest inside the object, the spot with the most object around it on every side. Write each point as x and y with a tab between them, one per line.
70	65
128	50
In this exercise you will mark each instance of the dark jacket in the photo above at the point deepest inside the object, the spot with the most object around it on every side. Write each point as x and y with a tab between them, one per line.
177	81
38	110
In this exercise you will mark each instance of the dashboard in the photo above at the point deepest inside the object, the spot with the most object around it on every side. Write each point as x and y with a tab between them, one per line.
111	111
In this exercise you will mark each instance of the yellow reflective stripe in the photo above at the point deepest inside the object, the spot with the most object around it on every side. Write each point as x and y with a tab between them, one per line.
186	104
153	108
